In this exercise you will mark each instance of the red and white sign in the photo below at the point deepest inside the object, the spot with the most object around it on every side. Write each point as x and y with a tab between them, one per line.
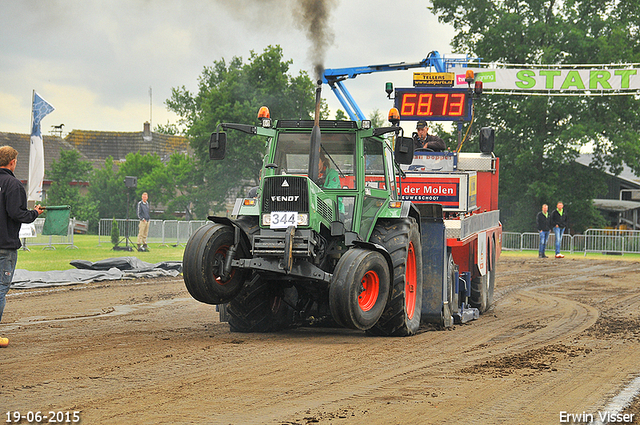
451	190
441	191
482	252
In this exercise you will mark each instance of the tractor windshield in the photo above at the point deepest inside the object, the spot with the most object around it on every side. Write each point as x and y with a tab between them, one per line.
337	151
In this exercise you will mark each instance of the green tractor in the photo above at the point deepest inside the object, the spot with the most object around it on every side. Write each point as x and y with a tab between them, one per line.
326	240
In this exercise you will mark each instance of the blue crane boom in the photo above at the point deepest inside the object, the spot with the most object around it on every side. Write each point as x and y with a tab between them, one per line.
335	77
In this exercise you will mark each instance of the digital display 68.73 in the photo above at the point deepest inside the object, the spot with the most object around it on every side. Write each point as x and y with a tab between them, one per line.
433	104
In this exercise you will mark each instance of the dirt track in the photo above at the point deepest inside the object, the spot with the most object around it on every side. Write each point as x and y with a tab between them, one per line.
563	336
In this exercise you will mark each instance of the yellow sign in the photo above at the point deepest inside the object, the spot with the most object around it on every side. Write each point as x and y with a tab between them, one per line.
445	79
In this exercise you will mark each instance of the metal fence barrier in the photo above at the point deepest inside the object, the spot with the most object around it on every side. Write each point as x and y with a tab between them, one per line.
167	232
594	240
615	241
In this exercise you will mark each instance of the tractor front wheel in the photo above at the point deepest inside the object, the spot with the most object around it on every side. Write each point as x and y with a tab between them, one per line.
203	262
359	289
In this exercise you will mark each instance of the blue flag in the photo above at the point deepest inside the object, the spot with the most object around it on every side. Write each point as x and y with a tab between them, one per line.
41	108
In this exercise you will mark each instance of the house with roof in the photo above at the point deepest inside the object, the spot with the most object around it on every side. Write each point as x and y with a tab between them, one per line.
94	146
620	204
98	145
21	142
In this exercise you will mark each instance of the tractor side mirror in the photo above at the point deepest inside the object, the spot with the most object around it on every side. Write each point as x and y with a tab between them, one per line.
487	135
217	145
404	150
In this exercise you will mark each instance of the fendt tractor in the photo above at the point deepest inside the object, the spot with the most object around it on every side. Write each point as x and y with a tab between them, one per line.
350	227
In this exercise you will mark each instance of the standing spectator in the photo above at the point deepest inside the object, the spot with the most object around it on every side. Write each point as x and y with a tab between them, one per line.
544	226
13	212
559	223
143	227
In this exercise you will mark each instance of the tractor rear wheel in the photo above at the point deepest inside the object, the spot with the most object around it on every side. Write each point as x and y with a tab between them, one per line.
203	261
359	289
260	307
222	310
402	314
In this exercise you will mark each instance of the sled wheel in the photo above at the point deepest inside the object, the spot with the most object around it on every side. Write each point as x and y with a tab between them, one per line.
359	289
203	261
482	286
491	281
402	314
260	307
454	300
478	298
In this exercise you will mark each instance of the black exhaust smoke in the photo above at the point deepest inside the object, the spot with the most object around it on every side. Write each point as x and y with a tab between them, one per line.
313	17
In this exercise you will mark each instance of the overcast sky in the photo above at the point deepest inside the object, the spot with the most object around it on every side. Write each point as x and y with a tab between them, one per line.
95	61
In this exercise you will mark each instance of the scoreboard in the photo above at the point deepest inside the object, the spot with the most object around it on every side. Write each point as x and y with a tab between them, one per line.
433	104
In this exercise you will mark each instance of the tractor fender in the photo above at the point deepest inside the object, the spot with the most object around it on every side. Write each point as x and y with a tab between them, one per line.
378	248
244	231
409	210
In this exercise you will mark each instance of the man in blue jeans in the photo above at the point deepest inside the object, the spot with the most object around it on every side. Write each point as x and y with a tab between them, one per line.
559	223
544	226
13	212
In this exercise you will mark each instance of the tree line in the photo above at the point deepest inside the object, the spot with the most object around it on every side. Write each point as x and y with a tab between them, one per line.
170	184
538	138
194	185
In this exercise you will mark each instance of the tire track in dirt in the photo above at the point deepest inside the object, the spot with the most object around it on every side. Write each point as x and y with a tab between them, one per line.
350	386
543	348
485	339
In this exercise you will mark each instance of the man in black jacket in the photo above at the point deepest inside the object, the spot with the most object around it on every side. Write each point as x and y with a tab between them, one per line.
13	212
544	226
422	138
559	223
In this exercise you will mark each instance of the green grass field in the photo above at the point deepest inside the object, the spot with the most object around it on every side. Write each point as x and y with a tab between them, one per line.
38	259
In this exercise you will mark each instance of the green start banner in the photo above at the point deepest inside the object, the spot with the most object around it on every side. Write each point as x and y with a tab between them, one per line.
574	80
57	221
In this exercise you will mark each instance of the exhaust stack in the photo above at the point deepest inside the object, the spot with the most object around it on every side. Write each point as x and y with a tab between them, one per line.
314	146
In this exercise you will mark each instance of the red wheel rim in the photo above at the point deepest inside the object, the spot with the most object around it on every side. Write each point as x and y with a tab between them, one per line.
411	282
370	288
221	255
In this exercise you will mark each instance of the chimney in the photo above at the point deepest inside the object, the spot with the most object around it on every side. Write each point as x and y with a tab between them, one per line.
146	134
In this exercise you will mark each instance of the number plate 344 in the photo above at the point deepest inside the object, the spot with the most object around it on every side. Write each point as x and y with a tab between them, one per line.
283	219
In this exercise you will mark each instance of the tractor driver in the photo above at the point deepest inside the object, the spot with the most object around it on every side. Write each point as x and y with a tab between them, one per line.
327	177
422	140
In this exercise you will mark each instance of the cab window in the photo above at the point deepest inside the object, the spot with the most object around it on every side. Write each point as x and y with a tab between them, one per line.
374	164
292	155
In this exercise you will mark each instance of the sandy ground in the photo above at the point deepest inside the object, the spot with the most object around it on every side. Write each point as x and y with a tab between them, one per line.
563	337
